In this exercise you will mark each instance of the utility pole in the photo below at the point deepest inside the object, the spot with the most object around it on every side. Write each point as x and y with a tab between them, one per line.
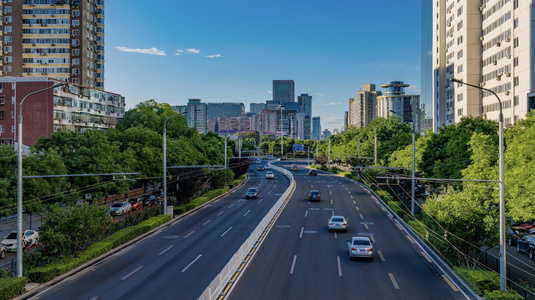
225	151
329	161
375	148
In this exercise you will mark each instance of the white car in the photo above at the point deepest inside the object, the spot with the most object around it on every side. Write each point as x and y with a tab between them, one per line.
29	238
266	167
3	250
120	208
360	246
337	223
270	175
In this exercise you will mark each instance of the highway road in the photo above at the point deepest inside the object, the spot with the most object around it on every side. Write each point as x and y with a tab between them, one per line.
300	259
180	260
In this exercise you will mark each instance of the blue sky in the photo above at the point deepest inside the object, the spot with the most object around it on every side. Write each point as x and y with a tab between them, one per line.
232	50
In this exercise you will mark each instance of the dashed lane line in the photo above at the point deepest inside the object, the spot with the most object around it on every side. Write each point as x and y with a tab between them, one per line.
394	282
167	249
132	273
293	265
191	263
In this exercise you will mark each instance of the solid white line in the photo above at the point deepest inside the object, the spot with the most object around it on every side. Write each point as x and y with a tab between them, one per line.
293	265
247	212
191	263
301	234
168	248
131	273
226	231
220	213
230	205
306	213
339	266
207	222
174	223
189	234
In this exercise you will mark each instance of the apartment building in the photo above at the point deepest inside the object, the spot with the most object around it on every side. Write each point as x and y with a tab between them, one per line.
485	43
62	39
197	115
362	107
69	108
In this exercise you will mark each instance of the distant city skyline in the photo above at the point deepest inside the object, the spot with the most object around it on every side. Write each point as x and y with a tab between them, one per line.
232	51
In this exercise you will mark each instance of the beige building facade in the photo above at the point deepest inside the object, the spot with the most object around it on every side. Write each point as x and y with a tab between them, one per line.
362	108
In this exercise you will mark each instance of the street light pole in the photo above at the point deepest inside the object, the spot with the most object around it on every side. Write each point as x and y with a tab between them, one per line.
165	163
413	160
281	107
503	262
19	186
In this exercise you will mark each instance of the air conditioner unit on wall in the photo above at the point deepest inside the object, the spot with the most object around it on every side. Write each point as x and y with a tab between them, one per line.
508	74
506	93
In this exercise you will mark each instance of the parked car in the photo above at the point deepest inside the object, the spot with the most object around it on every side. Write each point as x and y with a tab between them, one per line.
147	200
312	173
29	238
3	251
252	193
515	233
120	208
360	246
270	175
337	223
136	203
314	195
526	245
260	168
158	195
294	167
267	167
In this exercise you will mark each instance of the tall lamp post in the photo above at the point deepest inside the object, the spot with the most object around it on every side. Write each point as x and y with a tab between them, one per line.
165	163
413	151
281	107
503	263
19	186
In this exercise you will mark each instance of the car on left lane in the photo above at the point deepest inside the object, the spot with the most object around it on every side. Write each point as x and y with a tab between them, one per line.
120	208
252	193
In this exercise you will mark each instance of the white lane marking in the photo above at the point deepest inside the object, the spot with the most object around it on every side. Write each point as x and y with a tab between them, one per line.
339	266
357	207
332	212
230	206
174	223
351	196
331	192
311	186
274	186
152	234
132	273
331	201
168	248
226	231
94	298
410	239
361	216
349	192
381	255
306	213
394	282
191	263
247	212
426	257
354	202
293	265
259	201
269	192
301	234
203	224
220	213
189	234
366	225
372	239
335	235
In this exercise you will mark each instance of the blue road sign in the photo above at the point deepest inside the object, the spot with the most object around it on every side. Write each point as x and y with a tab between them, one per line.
299	147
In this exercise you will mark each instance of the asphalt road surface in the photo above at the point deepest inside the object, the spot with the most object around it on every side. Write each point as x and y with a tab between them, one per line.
300	259
180	260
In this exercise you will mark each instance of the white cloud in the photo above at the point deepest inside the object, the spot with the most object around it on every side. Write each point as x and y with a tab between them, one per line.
179	52
334	103
214	56
151	51
319	94
270	92
193	50
332	120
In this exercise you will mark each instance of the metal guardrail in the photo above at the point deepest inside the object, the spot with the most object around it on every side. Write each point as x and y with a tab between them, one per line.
215	288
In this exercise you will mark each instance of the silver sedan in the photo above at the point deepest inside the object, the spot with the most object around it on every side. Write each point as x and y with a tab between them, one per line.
360	246
337	223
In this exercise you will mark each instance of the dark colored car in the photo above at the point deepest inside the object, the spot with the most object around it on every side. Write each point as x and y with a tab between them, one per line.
526	245
514	233
260	168
314	195
312	173
148	200
252	193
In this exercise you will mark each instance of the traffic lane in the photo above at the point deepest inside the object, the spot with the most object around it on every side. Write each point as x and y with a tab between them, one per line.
311	255
159	242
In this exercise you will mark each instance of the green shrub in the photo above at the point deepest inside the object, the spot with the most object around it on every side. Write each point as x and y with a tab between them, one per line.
417	227
12	287
395	206
199	201
47	273
479	280
178	210
189	206
502	295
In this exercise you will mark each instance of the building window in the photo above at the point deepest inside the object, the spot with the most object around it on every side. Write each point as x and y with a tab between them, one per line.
8	19
515	81
460	54
13	128
8	9
76	43
459	40
460	25
1	128
460	112
7	49
9	29
515	61
8	39
515	43
7	69
2	100
8	59
459	11
515	23
459	69
76	22
460	97
516	100
2	114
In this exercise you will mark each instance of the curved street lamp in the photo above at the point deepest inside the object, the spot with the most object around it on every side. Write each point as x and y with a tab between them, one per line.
281	107
165	163
19	186
503	263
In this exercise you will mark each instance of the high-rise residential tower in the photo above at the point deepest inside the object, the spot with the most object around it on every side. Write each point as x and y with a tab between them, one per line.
362	107
62	39
426	94
486	43
316	128
283	91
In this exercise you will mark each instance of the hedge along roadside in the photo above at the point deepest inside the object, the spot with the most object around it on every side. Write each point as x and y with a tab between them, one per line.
12	287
